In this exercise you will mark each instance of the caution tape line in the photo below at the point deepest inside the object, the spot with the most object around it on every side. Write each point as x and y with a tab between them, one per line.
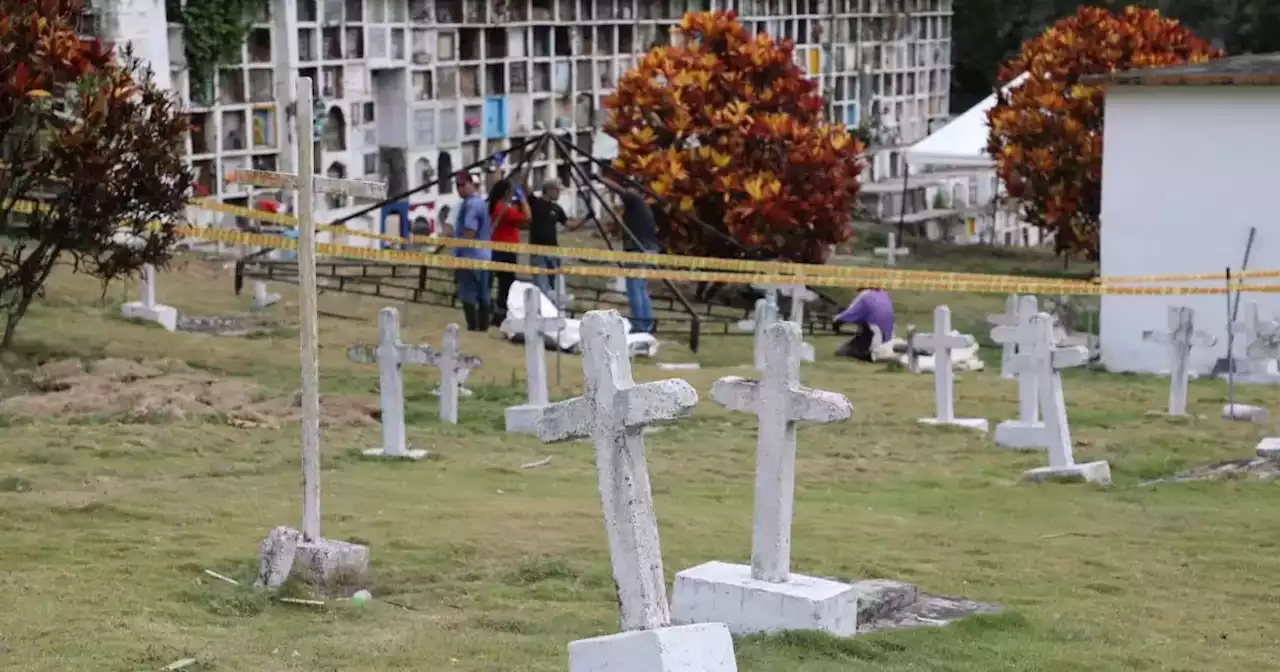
1021	286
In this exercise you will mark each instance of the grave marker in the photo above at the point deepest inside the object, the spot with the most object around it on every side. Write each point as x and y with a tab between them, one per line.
613	411
1008	318
261	298
454	369
1027	432
1039	355
798	295
389	354
147	309
1181	337
766	314
767	597
329	563
941	341
524	418
1262	348
891	251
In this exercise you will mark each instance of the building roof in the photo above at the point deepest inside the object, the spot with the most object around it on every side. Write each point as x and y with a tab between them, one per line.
1249	70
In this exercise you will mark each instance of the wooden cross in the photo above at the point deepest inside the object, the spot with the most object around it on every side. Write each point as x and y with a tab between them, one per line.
891	251
613	411
1044	360
389	354
940	342
534	325
306	183
1182	336
779	402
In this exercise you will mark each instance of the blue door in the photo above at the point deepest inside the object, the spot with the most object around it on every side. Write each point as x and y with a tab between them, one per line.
495	117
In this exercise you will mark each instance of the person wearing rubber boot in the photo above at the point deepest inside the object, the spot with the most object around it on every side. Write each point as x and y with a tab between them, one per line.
472	284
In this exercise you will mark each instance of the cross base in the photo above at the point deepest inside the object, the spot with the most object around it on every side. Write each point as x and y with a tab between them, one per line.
1088	472
1020	435
1244	413
165	316
1269	448
261	298
523	419
336	568
689	648
719	592
385	454
976	424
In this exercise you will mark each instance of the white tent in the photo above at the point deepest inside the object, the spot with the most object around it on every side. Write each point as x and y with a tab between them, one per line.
962	143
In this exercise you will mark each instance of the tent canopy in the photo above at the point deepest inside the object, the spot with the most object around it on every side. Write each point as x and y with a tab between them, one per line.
963	141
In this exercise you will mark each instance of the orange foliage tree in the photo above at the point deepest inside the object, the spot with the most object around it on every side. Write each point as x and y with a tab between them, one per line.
1046	133
724	126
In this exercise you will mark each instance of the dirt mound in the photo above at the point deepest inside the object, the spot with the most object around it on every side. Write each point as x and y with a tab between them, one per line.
166	390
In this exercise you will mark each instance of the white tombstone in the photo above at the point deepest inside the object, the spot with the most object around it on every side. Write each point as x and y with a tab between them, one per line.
454	368
891	251
799	295
1046	360
614	411
941	341
330	563
261	298
1008	318
766	314
147	309
524	418
767	597
1027	432
389	354
1180	338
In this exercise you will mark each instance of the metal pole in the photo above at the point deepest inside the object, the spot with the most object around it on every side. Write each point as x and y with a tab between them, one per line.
309	331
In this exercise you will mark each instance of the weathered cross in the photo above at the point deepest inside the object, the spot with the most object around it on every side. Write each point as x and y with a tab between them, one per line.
1008	318
1262	337
534	326
1182	336
147	309
306	183
1025	431
1039	357
798	295
613	411
261	298
766	314
891	251
941	341
779	402
389	354
454	368
148	287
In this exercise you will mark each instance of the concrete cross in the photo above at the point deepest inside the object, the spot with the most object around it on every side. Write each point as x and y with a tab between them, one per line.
766	314
1008	318
147	309
261	298
613	411
1027	431
779	402
798	295
1040	355
1262	337
454	368
389	354
307	184
891	251
1181	336
941	341
524	418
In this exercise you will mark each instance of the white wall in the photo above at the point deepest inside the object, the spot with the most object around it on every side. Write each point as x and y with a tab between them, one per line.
1186	172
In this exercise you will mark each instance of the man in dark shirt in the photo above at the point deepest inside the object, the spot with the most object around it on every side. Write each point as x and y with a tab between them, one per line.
544	224
637	219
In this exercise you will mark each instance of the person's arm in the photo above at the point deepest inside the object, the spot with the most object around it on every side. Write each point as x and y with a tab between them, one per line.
469	223
856	312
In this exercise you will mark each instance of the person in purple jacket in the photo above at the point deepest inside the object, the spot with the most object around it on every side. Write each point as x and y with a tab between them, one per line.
871	307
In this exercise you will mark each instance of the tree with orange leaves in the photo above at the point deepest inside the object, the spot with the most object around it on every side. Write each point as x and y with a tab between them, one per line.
1046	132
724	126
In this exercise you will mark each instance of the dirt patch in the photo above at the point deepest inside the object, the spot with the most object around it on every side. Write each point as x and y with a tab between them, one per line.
1250	468
166	391
228	325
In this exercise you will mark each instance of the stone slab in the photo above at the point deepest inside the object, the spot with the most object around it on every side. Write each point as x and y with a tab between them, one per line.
408	454
1020	435
1244	413
165	316
719	592
706	647
1269	448
276	554
523	419
336	568
1087	472
976	424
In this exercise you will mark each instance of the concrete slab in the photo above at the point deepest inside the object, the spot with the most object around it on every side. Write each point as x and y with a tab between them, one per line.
720	592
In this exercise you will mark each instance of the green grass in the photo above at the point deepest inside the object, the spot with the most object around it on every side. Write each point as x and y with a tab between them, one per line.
480	565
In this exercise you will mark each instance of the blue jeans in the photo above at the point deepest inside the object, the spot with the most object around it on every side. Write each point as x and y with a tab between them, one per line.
545	282
473	286
641	308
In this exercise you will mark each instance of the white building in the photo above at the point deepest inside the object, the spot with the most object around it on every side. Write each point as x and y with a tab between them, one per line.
411	89
1189	166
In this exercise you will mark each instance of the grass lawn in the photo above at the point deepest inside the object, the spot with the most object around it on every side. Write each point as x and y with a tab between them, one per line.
107	527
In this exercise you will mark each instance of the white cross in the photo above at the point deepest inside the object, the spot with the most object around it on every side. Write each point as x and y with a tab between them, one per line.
766	314
1008	318
307	184
779	402
534	325
1021	335
1262	337
940	342
454	368
891	251
389	354
148	288
261	298
1043	360
799	295
614	411
1181	336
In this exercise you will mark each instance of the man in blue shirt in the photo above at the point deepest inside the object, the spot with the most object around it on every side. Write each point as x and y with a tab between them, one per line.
638	218
472	224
